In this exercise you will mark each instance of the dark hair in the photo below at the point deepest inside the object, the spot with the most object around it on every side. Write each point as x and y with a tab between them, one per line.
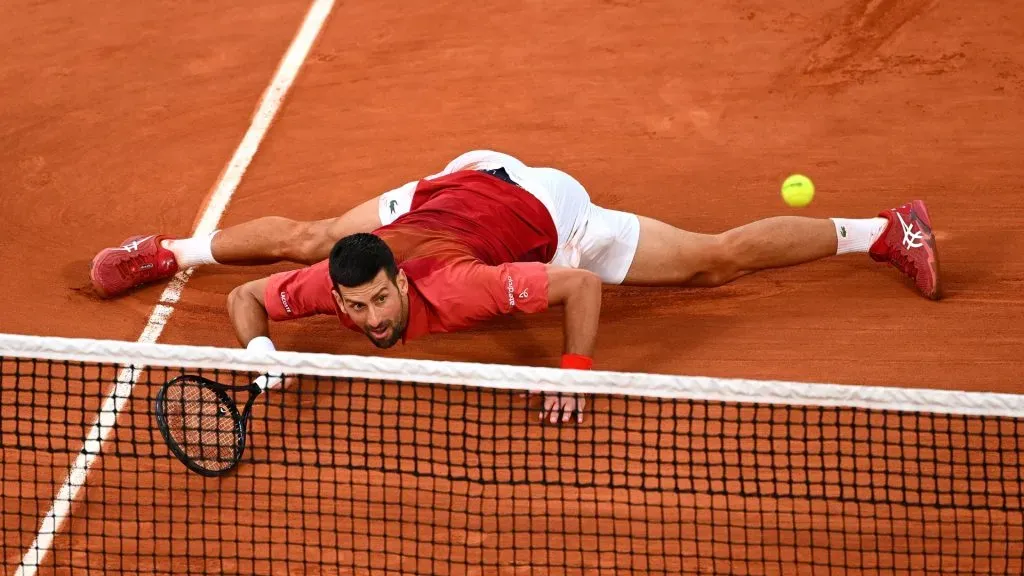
358	258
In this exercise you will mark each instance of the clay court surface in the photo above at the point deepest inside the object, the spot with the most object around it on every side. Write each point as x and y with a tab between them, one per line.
117	119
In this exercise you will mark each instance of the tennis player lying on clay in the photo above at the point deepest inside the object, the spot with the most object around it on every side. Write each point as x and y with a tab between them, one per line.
490	236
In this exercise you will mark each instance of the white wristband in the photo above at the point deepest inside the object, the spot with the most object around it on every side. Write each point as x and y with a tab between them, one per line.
261	344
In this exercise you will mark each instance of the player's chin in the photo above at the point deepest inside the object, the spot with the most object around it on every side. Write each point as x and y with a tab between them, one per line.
386	341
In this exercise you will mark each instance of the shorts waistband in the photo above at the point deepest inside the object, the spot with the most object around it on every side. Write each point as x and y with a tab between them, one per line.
501	174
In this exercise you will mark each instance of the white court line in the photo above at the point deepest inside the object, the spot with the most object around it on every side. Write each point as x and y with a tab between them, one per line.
270	103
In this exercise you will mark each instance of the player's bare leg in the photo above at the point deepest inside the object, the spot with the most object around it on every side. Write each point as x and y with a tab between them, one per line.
145	259
667	255
274	239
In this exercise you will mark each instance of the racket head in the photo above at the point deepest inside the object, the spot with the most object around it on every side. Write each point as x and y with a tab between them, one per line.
201	424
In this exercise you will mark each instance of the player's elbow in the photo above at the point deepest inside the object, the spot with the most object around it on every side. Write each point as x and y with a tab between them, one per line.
243	297
565	284
588	282
237	296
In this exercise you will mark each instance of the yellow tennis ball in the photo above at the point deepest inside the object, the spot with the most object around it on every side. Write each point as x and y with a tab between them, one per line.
798	191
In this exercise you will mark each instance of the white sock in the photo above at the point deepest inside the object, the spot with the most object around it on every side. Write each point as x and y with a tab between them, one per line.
191	252
858	235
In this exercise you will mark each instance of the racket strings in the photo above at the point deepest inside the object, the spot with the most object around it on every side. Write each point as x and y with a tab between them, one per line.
202	425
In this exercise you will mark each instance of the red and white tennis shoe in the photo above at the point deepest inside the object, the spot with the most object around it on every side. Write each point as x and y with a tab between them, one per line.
908	244
139	260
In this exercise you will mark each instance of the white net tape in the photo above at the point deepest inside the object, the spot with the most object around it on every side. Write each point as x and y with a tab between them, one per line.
514	377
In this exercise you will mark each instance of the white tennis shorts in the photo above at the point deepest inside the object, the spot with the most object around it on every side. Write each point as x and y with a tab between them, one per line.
590	237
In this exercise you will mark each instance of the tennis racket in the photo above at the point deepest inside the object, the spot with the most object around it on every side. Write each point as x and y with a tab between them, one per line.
201	423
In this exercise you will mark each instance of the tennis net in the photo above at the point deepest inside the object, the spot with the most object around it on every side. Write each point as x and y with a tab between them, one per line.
386	466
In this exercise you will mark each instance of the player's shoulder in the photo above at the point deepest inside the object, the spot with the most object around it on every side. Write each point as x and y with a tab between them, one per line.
312	276
437	269
317	271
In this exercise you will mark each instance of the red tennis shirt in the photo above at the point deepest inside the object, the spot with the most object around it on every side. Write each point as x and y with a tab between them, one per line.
473	247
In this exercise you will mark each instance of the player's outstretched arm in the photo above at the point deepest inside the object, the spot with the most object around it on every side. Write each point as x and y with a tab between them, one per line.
579	291
249	316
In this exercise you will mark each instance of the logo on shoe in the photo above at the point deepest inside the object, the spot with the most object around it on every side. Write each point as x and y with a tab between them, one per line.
133	246
911	239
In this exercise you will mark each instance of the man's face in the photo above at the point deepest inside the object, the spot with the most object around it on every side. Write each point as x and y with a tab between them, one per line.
380	308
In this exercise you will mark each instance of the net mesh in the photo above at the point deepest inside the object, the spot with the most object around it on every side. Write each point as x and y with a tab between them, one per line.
374	466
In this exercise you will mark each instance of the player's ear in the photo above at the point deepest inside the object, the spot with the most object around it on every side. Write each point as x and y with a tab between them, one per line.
337	298
402	281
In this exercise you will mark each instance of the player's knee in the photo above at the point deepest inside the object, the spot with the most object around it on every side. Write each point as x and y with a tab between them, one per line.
722	260
309	242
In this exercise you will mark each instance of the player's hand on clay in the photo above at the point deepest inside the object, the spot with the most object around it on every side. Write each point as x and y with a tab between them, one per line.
563	407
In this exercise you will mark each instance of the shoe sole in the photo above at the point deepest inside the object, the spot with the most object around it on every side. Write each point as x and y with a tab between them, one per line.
921	211
92	274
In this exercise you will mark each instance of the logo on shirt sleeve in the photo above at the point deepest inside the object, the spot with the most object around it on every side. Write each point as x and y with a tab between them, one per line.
511	291
284	302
